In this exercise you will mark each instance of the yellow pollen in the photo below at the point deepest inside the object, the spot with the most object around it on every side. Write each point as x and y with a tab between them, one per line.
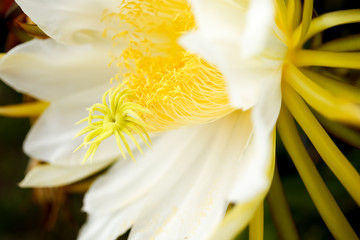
179	88
176	87
117	117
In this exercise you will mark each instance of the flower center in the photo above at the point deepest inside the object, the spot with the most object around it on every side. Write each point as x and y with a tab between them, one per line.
176	87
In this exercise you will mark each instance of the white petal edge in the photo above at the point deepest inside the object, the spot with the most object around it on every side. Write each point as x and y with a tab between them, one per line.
191	201
55	176
257	158
110	226
259	22
244	78
69	21
48	70
127	182
245	63
260	156
238	218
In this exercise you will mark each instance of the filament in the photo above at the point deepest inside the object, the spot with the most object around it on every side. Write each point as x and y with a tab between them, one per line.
336	87
280	211
256	225
327	59
329	20
322	198
321	100
332	156
345	44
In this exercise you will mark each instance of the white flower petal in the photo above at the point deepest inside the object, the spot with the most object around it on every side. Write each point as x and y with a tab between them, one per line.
48	70
259	22
128	181
189	202
110	226
225	40
244	78
257	159
51	138
55	176
69	21
220	20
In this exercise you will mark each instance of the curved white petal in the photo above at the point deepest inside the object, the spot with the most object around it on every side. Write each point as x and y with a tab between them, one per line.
245	23
189	197
257	158
69	21
254	172
126	181
112	225
51	138
55	176
259	22
220	20
225	38
191	201
48	70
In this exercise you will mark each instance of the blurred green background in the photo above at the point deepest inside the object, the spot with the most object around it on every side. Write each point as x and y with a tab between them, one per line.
23	216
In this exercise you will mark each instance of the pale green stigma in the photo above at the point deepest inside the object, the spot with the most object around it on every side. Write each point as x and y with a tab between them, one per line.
118	117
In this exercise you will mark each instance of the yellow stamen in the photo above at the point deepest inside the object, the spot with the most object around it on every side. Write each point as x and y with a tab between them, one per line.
345	44
280	211
32	109
176	87
327	59
336	87
256	225
333	107
118	117
322	198
329	20
179	88
332	156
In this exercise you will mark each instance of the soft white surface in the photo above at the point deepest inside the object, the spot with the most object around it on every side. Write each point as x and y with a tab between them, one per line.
49	70
181	188
54	176
51	138
241	40
69	21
